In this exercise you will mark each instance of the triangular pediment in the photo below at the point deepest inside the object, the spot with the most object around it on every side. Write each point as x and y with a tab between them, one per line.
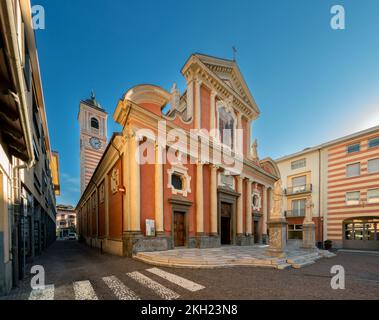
229	73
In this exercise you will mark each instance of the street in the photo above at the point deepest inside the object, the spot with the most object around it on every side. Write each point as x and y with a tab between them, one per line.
79	272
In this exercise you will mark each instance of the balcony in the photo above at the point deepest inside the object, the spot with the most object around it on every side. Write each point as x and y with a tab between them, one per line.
294	213
306	188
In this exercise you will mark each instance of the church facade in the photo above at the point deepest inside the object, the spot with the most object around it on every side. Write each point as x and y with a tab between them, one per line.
184	171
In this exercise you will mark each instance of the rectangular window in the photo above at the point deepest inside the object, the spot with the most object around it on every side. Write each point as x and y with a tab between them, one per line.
298	208
295	231
373	166
373	143
353	170
373	196
298	164
352	198
353	148
299	184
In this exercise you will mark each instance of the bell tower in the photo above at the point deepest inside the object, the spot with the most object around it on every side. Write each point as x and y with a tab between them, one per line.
93	137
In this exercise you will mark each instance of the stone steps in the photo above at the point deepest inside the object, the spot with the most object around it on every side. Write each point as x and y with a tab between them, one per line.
302	264
326	254
283	266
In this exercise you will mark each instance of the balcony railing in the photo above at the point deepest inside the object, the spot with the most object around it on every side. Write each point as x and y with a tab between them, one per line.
294	213
306	188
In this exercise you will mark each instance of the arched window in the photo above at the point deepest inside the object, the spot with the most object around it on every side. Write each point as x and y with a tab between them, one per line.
94	123
226	125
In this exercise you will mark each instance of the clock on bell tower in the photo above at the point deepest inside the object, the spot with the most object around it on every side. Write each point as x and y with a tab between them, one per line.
93	137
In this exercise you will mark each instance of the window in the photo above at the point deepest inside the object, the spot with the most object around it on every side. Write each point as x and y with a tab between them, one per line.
177	181
353	148
226	125
256	201
373	166
298	208
353	170
298	164
94	123
295	231
352	198
373	196
299	183
373	143
362	229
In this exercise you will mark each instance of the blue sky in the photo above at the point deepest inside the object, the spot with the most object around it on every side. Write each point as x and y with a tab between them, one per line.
311	83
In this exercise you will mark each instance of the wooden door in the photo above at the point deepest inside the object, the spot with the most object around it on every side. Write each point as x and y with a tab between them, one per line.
179	229
226	223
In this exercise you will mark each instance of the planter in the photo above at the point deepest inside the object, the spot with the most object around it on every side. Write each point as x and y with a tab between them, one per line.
327	244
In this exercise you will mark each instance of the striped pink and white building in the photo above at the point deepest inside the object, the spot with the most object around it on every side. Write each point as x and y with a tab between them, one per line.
343	182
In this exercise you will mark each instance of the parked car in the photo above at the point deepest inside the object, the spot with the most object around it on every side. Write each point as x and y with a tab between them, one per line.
72	236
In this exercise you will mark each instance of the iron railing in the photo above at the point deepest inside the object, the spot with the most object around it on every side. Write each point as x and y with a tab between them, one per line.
306	188
294	213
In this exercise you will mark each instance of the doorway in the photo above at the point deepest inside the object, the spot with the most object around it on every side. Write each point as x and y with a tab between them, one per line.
179	229
226	223
256	231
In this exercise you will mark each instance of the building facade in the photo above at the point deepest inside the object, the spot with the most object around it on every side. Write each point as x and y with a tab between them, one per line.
184	170
66	221
27	190
341	177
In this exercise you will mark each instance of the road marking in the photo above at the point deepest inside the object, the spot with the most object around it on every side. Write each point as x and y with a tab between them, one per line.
84	291
46	293
121	291
160	290
182	282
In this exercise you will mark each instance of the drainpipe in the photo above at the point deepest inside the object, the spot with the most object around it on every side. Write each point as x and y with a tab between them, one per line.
17	73
17	212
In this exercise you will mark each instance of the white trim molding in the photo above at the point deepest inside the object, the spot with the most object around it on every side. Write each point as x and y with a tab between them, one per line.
186	179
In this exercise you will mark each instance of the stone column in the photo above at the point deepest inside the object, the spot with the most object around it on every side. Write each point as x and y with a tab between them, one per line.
213	114
158	190
199	199
135	191
266	194
190	100
309	228
249	226
239	140
133	234
239	207
213	188
198	105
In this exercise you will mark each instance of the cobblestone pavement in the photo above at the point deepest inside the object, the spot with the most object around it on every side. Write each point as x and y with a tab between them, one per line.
74	271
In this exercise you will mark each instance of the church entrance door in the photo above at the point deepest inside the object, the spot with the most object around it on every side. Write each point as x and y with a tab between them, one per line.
226	225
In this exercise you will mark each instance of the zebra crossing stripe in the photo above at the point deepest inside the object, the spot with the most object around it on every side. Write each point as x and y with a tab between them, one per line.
121	291
160	290
84	291
46	293
182	282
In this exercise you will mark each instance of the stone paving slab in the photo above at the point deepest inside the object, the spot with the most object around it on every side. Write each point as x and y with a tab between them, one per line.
230	256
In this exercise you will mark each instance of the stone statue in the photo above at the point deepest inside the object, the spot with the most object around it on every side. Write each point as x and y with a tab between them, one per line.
277	207
175	97
254	150
309	210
